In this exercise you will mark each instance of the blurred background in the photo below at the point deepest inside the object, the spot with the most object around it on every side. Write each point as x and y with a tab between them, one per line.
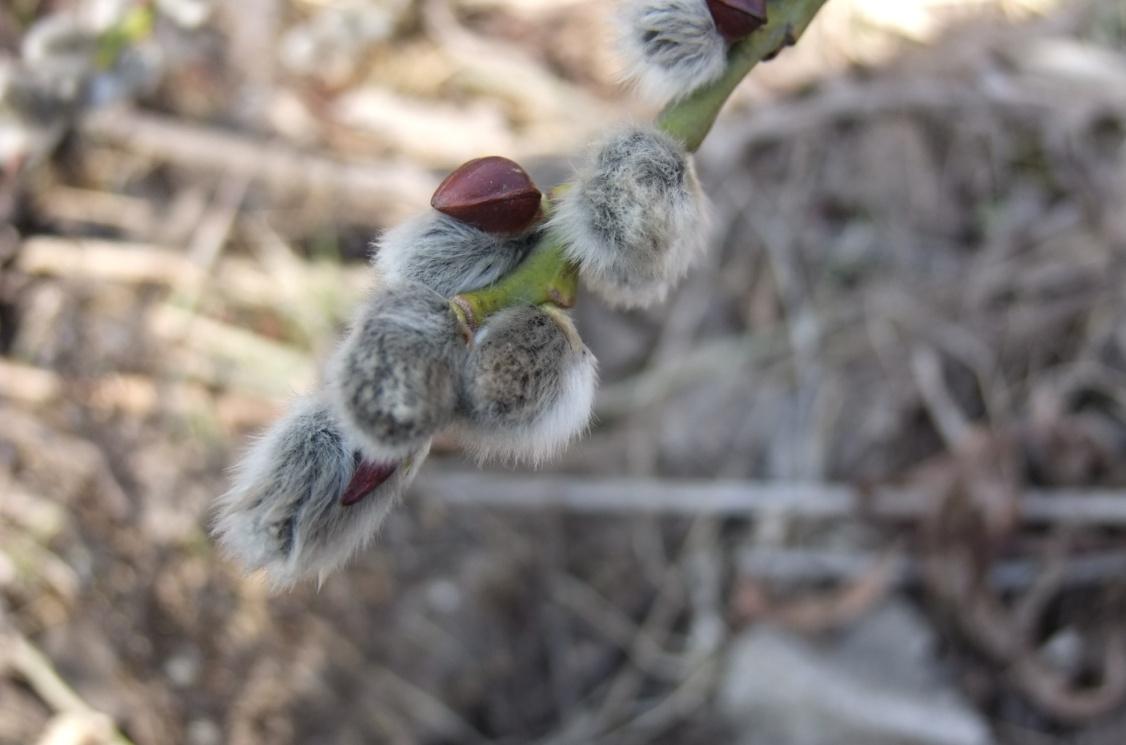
861	481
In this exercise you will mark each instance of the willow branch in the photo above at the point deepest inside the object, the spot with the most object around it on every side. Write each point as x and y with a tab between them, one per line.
547	276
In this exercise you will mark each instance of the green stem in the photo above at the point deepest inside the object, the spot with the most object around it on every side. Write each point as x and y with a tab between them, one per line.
692	118
547	276
135	25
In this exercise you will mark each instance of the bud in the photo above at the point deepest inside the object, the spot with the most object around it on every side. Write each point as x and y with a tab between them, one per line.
671	47
493	194
788	40
736	19
284	512
635	219
366	478
394	378
447	255
527	386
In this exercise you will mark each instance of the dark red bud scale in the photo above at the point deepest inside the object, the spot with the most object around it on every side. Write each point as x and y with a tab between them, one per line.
736	19
492	194
366	478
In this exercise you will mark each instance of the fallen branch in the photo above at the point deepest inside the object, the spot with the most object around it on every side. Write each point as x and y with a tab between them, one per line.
236	280
137	395
380	192
219	354
790	566
1075	507
35	668
107	261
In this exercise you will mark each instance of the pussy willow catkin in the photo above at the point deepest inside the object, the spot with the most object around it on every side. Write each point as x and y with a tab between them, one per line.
527	386
669	48
394	380
635	219
282	514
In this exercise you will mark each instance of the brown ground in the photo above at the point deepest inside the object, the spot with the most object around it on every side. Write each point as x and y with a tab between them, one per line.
917	279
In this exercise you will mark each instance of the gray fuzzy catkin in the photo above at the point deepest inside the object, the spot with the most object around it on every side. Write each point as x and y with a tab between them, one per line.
394	378
635	219
283	514
447	255
670	47
527	386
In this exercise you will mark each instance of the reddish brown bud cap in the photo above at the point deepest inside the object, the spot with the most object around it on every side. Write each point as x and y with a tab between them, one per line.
367	478
492	194
736	19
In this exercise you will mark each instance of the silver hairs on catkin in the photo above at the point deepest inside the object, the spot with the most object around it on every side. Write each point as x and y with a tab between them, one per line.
447	255
636	218
283	513
527	386
394	377
670	47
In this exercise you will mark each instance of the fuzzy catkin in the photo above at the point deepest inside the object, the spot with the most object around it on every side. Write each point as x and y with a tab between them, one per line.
283	513
394	378
670	47
447	255
636	218
527	386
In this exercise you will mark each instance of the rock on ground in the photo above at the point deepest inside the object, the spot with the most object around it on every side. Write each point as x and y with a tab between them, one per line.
876	685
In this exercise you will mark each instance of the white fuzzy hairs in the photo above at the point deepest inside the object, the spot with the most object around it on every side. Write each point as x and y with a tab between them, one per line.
394	379
527	387
283	513
447	255
669	48
635	219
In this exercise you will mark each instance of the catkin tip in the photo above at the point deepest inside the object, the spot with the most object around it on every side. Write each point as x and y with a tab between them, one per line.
393	380
669	48
636	219
527	387
283	515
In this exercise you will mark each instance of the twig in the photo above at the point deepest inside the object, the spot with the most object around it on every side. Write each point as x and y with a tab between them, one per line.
746	498
380	192
237	280
614	625
40	674
803	323
216	353
561	109
870	100
423	706
82	457
790	566
99	260
137	395
682	702
951	423
607	717
210	237
721	356
824	610
135	216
